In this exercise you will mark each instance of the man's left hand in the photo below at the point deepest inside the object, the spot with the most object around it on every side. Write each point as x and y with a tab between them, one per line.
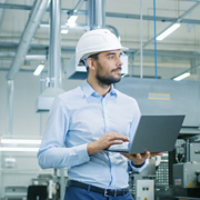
139	159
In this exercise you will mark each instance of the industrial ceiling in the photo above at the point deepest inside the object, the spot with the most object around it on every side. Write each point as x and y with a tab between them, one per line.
177	53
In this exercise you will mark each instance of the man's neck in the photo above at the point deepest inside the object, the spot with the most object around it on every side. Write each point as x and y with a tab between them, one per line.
102	89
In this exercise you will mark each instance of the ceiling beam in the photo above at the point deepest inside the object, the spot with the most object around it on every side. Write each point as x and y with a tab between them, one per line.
183	55
108	14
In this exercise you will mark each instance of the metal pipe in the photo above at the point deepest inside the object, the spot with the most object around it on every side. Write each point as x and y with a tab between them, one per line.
193	64
1	166
108	14
10	107
62	183
183	55
55	47
35	16
141	48
155	41
1	13
113	30
96	14
78	6
41	90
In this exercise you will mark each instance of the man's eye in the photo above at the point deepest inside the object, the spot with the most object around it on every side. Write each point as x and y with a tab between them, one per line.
111	57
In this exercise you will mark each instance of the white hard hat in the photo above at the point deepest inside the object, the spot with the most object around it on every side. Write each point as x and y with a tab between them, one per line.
96	41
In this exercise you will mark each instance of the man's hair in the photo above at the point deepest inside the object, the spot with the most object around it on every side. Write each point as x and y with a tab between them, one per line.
93	56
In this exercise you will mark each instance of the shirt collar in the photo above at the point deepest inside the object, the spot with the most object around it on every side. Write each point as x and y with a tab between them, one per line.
113	91
88	90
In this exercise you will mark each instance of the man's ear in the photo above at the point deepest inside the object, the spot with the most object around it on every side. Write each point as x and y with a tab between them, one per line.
90	63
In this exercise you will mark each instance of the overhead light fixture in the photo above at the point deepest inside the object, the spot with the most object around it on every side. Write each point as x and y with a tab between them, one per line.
168	31
72	20
64	31
19	149
38	70
14	141
182	76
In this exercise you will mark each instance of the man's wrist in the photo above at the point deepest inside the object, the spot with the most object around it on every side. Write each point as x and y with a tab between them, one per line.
92	148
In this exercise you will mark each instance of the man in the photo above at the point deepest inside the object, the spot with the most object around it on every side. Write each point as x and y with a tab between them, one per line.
92	118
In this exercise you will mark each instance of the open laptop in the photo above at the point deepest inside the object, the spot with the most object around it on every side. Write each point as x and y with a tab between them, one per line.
156	133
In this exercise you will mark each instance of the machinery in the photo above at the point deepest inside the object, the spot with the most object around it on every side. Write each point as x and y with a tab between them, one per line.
177	174
186	175
145	189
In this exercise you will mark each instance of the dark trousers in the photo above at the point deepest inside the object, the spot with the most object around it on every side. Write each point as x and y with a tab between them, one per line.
75	193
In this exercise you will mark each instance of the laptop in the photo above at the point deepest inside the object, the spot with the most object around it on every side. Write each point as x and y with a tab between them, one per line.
156	133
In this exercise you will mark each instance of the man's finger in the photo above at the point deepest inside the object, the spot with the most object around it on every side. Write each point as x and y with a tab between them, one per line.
157	154
115	142
138	156
146	155
124	139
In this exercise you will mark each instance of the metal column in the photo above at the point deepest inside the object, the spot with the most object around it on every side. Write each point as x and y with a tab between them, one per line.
96	14
10	106
155	41
55	48
141	47
62	183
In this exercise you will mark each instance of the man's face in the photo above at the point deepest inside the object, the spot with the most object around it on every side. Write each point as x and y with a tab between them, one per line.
108	67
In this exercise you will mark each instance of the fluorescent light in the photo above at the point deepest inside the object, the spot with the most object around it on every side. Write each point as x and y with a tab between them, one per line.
13	141
64	31
71	21
38	70
10	160
182	76
168	31
19	149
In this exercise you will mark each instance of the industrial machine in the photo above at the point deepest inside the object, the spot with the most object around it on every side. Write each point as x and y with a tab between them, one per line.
186	175
177	174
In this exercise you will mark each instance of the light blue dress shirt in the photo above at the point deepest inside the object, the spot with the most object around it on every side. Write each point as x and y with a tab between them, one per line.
81	116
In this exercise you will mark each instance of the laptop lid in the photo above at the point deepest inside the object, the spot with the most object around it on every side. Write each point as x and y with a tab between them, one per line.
156	133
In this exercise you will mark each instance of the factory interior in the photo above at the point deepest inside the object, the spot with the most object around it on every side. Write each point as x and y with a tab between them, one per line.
160	70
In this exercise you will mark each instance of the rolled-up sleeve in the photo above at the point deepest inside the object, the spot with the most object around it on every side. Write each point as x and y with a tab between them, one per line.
139	169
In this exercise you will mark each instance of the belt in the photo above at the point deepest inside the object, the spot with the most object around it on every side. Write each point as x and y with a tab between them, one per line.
105	192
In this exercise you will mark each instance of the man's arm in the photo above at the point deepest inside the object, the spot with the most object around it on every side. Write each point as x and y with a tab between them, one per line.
139	162
51	153
107	140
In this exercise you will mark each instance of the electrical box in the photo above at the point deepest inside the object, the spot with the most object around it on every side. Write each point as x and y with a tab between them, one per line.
185	175
195	151
145	189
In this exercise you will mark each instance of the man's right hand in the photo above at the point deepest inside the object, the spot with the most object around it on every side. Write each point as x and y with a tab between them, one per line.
109	139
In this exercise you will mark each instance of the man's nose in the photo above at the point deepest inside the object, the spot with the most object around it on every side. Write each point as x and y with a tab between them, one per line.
119	62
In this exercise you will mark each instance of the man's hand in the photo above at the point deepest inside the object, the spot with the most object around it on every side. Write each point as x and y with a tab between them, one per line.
139	159
110	138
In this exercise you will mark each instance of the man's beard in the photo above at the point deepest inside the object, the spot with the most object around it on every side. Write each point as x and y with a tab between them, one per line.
106	80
